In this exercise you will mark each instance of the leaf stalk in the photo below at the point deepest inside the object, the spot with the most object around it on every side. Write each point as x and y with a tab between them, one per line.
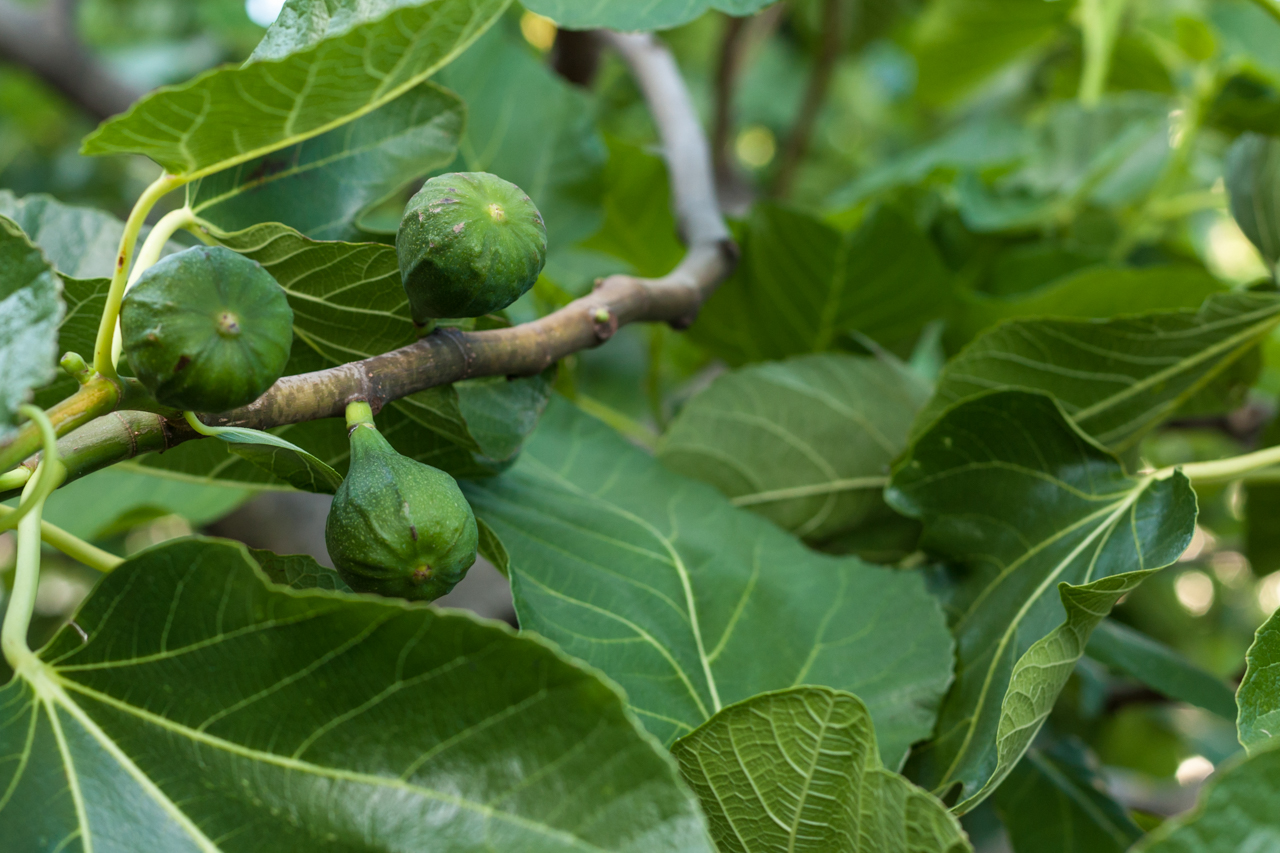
103	347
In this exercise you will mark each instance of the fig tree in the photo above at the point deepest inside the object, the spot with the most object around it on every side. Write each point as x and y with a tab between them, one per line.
206	329
469	244
397	527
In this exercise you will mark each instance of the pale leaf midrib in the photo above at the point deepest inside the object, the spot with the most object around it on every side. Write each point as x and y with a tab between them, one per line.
676	561
1016	621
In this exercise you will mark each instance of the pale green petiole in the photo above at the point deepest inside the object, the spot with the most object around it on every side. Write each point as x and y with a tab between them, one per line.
169	224
103	347
15	479
1225	470
73	546
22	601
49	474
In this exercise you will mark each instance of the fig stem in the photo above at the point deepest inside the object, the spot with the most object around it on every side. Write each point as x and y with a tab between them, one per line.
96	397
359	413
22	601
103	362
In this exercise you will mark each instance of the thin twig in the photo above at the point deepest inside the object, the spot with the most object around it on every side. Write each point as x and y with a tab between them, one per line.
797	145
728	68
449	355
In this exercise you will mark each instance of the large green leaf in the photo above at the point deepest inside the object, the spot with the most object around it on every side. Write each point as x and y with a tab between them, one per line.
1092	293
1047	533
630	15
1259	696
1160	668
802	284
798	770
78	241
1238	811
1055	799
30	311
321	186
531	127
233	115
692	604
805	442
1116	379
959	44
194	707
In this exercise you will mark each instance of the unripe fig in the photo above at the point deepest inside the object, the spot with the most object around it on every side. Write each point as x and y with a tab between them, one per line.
206	329
469	244
397	527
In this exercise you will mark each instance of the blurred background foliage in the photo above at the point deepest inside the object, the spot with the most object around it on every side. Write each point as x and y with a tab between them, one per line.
985	159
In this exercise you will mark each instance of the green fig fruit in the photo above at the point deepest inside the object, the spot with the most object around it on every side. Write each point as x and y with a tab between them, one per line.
469	244
206	329
397	527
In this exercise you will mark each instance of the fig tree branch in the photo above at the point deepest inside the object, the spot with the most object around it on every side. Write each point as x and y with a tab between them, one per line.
44	41
450	355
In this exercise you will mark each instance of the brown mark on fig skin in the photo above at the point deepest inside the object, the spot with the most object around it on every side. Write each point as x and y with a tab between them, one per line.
413	532
457	229
182	364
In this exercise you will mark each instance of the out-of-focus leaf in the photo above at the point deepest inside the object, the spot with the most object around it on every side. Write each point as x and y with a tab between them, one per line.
639	226
692	604
1160	668
1258	723
802	284
1109	155
1114	379
798	770
79	241
1094	293
1047	532
1261	509
30	311
1253	183
321	186
630	15
1239	810
388	727
1248	36
975	145
136	495
806	442
312	74
1055	799
959	44
529	126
